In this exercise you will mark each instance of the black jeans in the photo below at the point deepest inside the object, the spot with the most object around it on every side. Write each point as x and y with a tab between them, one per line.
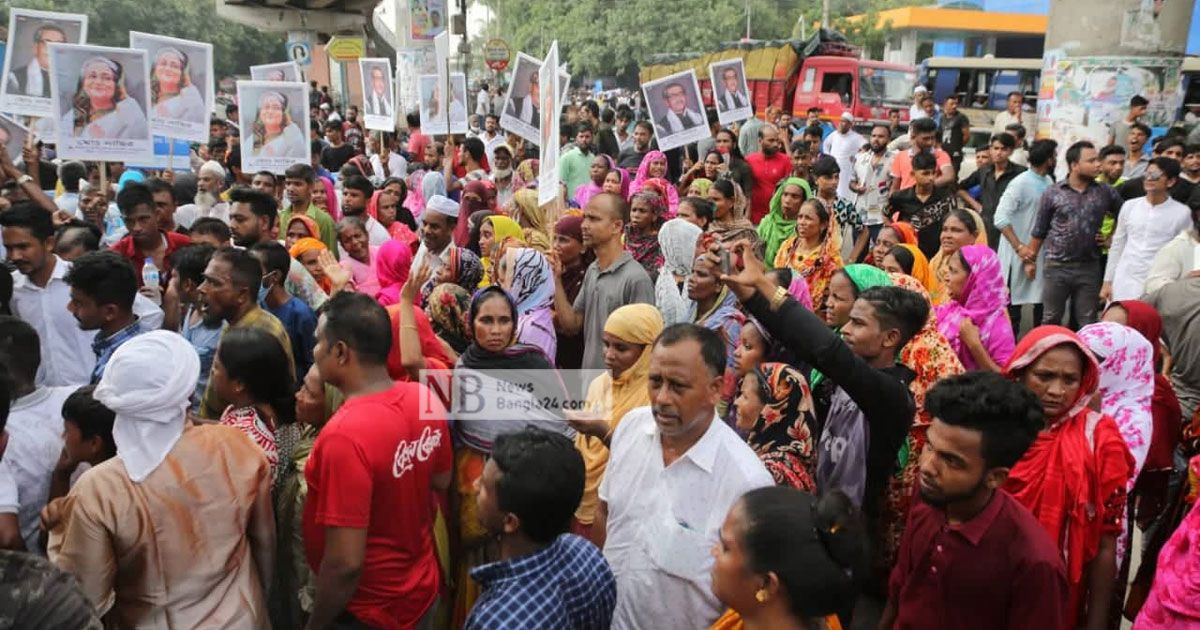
1077	281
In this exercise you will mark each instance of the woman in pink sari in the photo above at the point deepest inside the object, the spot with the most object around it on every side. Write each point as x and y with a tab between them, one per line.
393	261
359	257
974	318
1174	601
327	194
601	166
654	166
385	208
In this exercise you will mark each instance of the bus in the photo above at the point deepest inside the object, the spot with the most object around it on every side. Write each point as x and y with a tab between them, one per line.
982	84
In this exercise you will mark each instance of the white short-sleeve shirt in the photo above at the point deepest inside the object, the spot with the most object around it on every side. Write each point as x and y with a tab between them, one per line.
663	522
35	428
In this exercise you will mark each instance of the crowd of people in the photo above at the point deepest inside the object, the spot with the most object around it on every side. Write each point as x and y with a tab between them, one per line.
839	386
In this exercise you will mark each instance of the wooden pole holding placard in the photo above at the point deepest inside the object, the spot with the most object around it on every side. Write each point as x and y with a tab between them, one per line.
171	154
104	180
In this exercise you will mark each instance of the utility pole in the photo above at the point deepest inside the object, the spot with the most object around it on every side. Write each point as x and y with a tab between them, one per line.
747	19
825	14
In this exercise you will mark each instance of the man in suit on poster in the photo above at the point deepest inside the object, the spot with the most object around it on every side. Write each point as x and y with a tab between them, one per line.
679	117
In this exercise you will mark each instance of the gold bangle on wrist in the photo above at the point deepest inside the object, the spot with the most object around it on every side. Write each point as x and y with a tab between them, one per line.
777	300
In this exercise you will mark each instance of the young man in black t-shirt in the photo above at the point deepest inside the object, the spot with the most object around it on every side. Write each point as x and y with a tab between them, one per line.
334	156
955	131
923	205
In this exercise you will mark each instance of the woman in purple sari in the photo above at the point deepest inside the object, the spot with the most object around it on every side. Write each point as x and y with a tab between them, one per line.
974	320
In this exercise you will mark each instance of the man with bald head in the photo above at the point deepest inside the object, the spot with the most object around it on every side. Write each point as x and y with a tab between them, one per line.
613	280
769	165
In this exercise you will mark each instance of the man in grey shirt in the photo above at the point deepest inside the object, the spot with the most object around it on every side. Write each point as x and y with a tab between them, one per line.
613	280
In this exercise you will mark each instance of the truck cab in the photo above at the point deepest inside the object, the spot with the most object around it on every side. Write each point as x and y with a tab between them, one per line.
865	88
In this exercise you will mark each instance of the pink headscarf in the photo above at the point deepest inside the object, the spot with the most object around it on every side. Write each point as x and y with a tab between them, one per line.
331	203
643	177
799	290
590	189
1174	600
984	301
392	264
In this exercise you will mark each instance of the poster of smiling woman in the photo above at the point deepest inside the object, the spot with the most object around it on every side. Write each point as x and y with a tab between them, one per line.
26	88
273	125
101	97
181	85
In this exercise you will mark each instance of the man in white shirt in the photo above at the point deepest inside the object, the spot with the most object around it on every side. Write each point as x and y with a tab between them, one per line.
34	428
872	178
482	101
1015	114
491	136
437	233
356	195
1144	226
210	182
387	163
678	116
41	295
915	110
674	470
843	144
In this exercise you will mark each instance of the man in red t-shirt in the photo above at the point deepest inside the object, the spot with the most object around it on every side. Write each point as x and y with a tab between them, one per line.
145	239
769	166
372	475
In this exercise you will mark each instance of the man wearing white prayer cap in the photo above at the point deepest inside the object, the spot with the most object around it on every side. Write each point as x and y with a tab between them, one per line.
177	530
437	233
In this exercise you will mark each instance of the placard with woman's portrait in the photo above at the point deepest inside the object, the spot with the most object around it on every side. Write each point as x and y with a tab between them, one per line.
181	85
101	97
273	125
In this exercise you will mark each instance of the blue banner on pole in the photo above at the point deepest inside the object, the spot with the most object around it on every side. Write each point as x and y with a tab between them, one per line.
163	159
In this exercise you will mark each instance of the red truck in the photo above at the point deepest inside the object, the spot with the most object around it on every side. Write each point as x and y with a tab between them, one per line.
823	71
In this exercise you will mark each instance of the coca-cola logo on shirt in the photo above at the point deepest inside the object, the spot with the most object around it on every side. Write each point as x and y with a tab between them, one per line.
419	449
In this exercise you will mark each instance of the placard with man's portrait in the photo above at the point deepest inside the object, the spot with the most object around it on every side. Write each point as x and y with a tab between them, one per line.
26	87
730	93
379	109
675	110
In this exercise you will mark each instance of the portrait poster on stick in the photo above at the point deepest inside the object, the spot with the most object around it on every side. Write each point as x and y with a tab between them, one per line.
520	112
731	94
434	107
101	97
427	18
549	99
675	110
26	87
282	71
379	111
181	85
273	125
13	136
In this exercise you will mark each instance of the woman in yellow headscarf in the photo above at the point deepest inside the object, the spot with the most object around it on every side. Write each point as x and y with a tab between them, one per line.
962	227
628	334
493	232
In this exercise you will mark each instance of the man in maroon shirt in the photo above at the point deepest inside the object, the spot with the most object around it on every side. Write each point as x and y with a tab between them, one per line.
372	475
768	166
146	239
971	555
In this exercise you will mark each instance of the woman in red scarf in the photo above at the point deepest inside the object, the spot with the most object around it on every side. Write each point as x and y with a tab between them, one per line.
1073	476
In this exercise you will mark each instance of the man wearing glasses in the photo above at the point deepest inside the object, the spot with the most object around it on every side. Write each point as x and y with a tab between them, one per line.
1144	226
678	117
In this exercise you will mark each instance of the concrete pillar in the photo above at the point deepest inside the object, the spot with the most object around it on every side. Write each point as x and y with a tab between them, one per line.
1108	51
1119	27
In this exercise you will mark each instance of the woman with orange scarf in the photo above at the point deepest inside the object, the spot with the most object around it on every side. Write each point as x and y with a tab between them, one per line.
1073	477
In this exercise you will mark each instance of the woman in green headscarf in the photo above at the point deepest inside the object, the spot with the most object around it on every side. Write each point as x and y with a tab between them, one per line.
780	222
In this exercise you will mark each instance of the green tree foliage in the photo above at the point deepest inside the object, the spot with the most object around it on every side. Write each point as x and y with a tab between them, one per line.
612	37
235	47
